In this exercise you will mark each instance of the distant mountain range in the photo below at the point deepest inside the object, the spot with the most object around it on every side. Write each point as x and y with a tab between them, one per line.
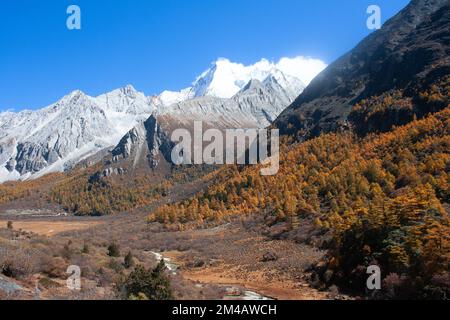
77	127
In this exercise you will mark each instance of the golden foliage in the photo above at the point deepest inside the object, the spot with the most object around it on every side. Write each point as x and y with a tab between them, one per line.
382	195
106	196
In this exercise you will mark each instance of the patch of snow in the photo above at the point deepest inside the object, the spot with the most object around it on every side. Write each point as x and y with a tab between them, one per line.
5	175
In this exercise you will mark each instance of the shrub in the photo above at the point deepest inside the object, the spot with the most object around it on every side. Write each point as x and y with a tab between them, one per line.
439	288
151	284
16	263
113	250
115	265
129	260
140	297
9	225
398	287
85	249
67	251
270	256
55	267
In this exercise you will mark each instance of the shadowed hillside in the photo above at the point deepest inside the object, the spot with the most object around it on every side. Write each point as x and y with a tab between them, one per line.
410	52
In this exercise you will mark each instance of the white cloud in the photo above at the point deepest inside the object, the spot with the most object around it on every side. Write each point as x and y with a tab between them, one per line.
304	68
225	78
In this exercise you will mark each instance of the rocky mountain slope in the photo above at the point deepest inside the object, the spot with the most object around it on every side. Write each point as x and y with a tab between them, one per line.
61	135
411	51
76	128
257	104
148	143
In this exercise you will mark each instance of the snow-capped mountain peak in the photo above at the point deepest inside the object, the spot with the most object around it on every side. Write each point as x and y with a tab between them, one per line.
129	89
168	98
68	131
78	126
225	78
127	100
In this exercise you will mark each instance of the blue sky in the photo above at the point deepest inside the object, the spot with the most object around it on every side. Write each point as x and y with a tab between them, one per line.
161	44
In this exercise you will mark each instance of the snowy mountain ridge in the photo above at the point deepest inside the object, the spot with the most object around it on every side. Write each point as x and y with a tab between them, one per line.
224	79
78	126
74	128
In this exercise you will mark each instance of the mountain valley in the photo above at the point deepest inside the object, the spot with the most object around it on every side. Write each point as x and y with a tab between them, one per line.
364	180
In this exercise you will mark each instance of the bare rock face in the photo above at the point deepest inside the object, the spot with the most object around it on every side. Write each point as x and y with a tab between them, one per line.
410	51
11	165
142	148
158	142
31	158
135	137
107	173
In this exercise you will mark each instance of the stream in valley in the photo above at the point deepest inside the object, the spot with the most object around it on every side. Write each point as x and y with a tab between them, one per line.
232	292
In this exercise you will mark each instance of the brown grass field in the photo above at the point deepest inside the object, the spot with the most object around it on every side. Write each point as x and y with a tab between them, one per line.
49	228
